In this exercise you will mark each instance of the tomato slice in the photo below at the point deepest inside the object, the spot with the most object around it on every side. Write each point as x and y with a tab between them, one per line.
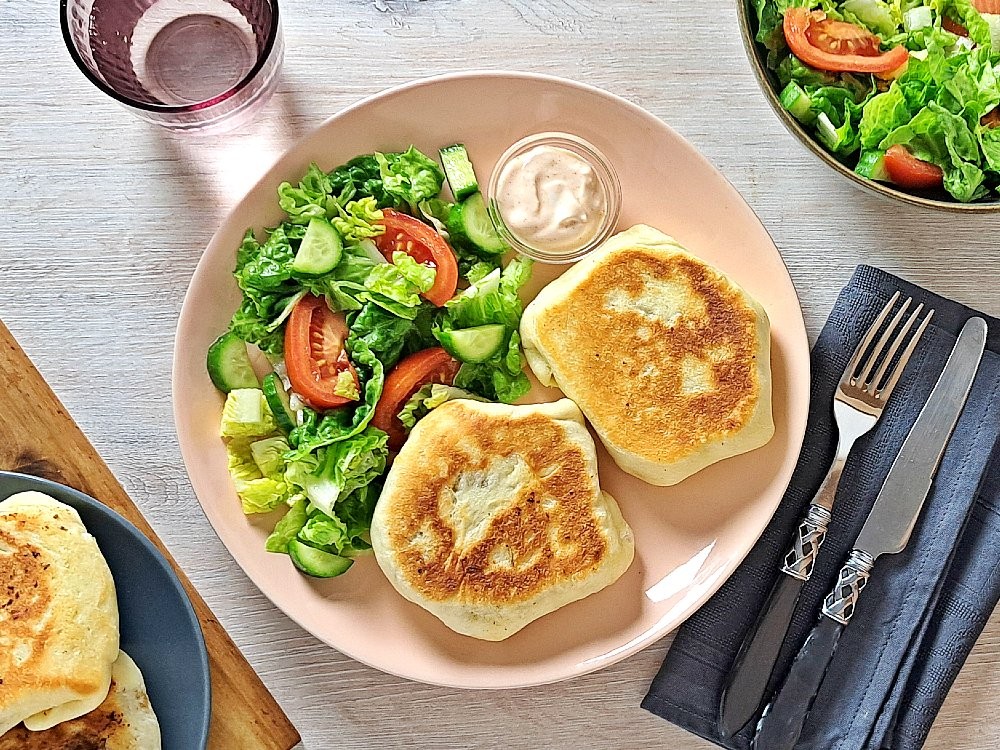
838	46
314	352
908	171
424	245
405	379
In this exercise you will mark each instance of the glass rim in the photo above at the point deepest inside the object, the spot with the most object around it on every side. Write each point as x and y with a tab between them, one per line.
606	174
262	58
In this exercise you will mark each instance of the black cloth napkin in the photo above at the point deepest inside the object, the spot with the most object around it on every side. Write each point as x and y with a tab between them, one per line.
923	609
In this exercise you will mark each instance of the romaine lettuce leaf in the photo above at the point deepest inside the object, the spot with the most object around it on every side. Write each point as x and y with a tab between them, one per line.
326	532
436	211
246	415
264	274
429	397
401	281
261	495
836	106
356	511
309	200
496	383
392	180
288	527
989	142
269	269
385	334
347	531
269	455
966	14
251	326
344	467
492	299
876	15
410	176
257	493
357	220
248	250
884	113
346	386
361	177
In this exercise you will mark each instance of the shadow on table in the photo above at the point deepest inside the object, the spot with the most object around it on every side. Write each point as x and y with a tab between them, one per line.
214	171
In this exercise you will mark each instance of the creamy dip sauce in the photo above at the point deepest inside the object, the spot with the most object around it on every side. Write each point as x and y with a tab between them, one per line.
551	199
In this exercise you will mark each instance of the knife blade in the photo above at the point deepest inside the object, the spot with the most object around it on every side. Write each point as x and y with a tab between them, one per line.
886	531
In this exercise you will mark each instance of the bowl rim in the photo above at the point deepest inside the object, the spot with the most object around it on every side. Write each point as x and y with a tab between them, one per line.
793	126
205	699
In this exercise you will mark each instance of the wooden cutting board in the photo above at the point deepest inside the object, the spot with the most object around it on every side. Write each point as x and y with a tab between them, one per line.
48	443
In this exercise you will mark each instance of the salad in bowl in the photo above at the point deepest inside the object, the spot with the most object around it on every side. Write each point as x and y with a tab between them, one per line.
376	299
903	92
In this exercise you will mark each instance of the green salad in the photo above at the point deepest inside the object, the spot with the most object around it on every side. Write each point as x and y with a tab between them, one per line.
902	91
378	298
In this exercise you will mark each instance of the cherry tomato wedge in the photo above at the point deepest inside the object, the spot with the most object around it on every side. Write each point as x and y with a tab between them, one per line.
837	45
953	26
416	239
405	379
908	171
314	353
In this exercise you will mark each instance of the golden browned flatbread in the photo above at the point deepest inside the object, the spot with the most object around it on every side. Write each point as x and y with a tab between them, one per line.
58	614
492	516
667	358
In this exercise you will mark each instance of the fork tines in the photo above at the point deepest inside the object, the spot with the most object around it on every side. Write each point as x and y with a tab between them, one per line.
875	368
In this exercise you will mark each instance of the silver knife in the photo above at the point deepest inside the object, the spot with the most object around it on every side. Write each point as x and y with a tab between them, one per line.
886	532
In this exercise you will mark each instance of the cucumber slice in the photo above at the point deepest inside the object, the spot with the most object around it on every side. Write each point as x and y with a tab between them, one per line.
474	344
470	224
315	562
797	101
320	250
459	171
229	364
278	402
872	165
874	14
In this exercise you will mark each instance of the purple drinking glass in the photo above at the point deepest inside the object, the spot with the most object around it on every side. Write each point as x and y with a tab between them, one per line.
189	65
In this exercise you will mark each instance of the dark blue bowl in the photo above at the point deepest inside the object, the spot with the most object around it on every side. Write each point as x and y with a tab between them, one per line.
159	628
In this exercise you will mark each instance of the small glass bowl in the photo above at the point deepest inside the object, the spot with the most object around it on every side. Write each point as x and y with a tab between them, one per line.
605	174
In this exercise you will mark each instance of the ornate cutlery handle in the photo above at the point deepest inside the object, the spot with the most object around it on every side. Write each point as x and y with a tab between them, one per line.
839	604
801	558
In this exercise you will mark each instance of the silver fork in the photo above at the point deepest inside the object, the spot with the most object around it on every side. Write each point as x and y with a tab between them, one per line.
861	395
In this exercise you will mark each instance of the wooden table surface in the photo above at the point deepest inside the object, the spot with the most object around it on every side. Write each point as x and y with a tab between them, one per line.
103	218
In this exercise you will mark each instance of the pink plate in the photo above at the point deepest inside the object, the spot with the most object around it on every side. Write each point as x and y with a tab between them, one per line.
689	538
